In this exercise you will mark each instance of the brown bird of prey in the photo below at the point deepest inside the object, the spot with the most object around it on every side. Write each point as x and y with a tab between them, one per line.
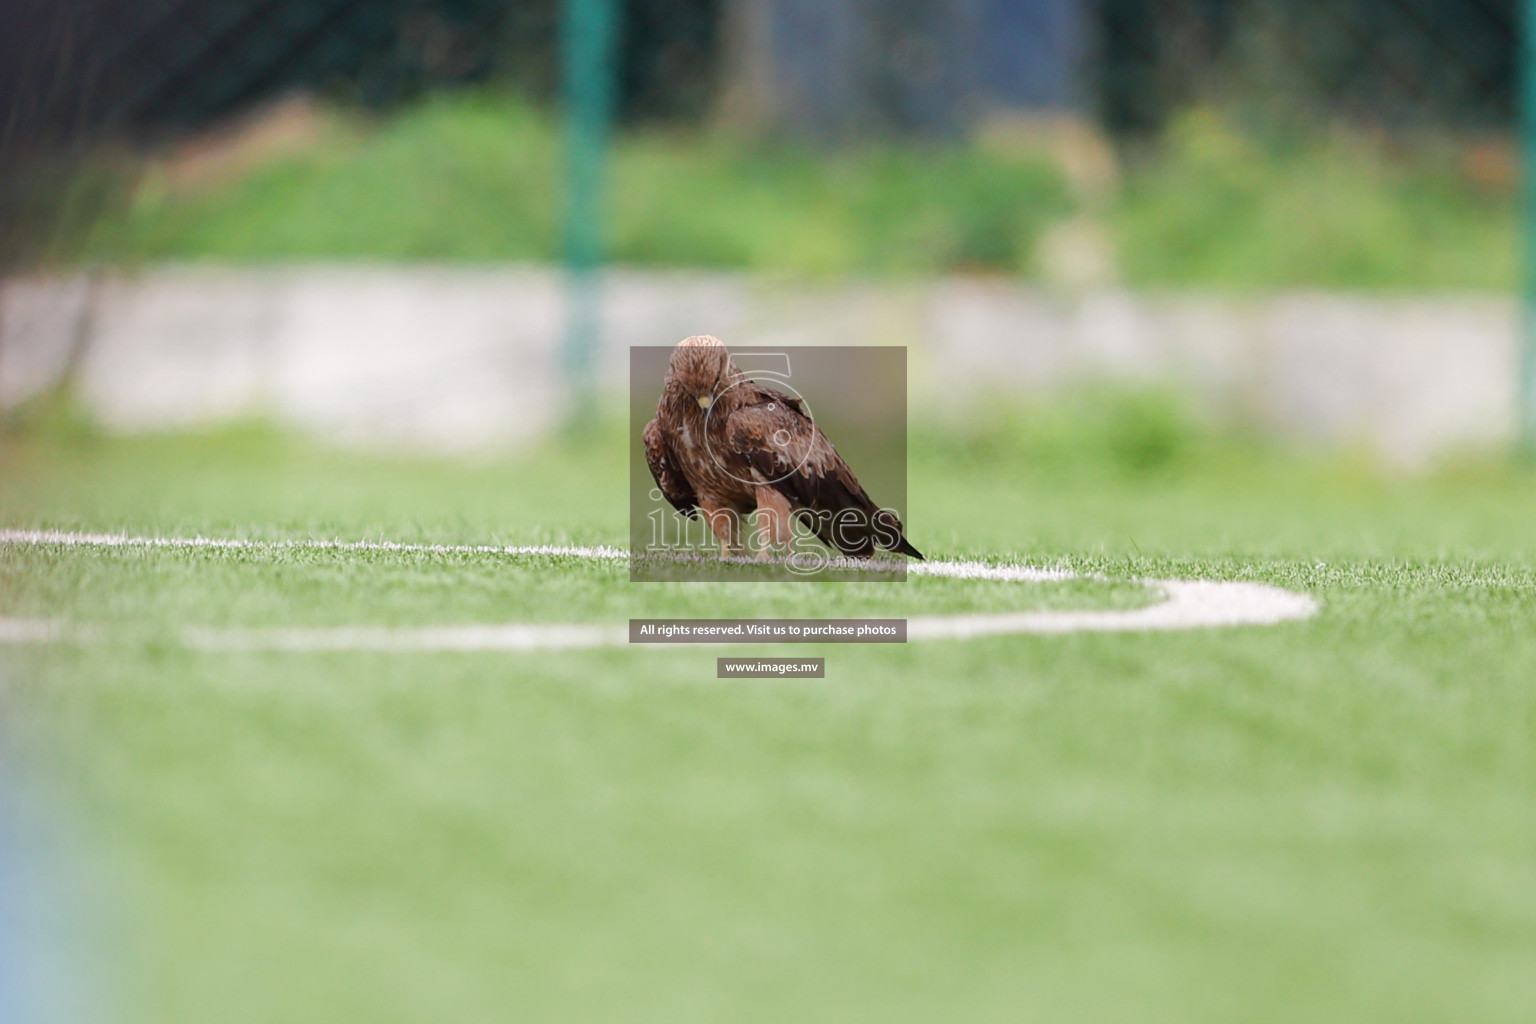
726	445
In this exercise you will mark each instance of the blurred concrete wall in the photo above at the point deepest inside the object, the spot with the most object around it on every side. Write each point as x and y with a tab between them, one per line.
454	359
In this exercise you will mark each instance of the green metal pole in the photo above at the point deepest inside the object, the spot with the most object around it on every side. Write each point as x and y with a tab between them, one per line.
1527	403
587	51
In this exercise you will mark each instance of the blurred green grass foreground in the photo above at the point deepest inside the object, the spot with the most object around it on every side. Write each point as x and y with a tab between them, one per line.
1322	820
475	177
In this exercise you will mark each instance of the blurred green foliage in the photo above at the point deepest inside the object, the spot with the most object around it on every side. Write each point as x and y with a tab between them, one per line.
476	177
1100	431
1218	207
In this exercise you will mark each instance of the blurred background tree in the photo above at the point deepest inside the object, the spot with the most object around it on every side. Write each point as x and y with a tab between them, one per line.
814	136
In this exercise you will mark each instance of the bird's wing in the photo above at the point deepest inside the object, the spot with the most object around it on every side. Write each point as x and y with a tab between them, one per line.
789	453
669	477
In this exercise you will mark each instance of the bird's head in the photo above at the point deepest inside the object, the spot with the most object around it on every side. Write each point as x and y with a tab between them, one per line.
701	368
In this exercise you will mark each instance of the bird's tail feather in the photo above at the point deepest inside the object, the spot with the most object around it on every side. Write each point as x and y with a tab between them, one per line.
890	522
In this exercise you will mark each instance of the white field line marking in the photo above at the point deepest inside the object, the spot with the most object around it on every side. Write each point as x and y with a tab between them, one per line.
1185	604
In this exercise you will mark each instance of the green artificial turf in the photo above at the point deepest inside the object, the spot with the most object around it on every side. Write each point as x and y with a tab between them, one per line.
1327	820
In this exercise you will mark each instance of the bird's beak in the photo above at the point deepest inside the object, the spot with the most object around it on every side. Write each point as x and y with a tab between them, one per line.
705	401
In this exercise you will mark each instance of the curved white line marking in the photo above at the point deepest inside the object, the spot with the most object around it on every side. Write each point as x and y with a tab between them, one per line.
1186	604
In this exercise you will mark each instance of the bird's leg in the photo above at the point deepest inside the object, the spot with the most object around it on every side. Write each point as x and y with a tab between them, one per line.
727	528
773	513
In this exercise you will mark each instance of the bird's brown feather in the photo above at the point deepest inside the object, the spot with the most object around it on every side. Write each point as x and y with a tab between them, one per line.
663	465
773	434
755	436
